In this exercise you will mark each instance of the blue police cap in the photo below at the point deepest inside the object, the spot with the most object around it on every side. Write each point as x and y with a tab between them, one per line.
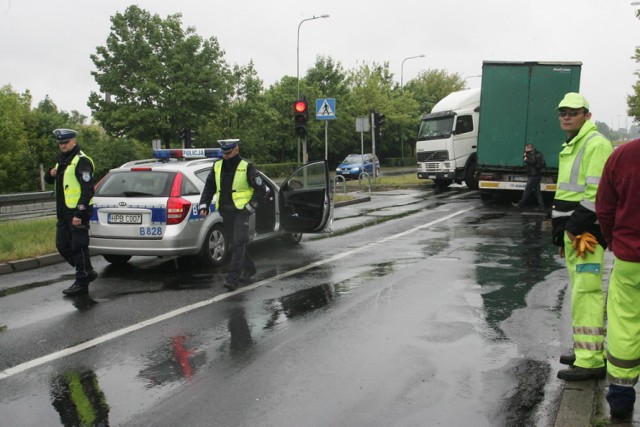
63	135
228	144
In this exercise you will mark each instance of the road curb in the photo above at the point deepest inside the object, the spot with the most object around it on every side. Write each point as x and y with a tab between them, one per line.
30	263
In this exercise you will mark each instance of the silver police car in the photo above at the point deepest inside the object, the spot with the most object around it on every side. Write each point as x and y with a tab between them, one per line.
150	208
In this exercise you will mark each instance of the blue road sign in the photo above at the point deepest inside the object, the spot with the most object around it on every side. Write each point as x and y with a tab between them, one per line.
326	109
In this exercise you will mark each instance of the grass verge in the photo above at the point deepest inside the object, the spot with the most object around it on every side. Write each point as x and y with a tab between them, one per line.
27	238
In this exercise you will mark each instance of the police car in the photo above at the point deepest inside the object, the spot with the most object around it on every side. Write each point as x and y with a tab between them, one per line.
150	208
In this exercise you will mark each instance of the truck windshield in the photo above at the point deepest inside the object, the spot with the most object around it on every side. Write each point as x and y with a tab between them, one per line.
435	128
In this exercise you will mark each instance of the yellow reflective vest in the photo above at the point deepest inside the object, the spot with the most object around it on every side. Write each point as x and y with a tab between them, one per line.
579	170
72	188
241	191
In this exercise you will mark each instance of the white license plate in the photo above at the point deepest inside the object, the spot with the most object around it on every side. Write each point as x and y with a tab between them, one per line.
432	177
124	218
519	178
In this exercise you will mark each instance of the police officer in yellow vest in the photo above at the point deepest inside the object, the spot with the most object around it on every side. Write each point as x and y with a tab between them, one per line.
238	188
577	233
73	179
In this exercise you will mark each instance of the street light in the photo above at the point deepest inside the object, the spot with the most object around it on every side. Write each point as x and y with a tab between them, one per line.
401	89
304	147
298	48
402	68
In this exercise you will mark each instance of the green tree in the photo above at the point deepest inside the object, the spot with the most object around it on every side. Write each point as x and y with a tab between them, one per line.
157	77
15	159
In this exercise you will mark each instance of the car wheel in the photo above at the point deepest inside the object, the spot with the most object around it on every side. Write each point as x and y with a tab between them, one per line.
214	248
292	238
117	259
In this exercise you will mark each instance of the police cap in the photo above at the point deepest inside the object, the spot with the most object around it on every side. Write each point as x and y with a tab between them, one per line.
228	144
63	135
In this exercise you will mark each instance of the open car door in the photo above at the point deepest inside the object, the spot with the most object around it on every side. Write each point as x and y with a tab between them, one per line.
305	200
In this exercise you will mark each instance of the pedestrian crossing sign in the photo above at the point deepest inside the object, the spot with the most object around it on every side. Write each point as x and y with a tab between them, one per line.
326	109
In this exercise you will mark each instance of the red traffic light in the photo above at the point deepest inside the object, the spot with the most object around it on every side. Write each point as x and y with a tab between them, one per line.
300	106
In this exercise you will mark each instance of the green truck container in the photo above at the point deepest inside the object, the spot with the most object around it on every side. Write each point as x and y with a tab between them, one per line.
518	102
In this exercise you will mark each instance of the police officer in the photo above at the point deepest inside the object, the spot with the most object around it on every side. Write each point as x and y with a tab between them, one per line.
73	179
238	187
577	233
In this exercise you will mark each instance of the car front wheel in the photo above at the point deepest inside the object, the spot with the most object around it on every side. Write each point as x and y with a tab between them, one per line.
214	248
292	238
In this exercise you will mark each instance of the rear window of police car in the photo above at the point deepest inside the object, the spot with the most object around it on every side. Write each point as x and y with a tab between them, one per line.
142	184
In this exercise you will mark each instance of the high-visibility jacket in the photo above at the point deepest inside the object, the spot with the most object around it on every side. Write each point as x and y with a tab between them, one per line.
581	162
72	189
241	191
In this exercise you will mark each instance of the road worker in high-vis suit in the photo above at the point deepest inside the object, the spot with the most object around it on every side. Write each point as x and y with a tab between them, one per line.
618	209
577	233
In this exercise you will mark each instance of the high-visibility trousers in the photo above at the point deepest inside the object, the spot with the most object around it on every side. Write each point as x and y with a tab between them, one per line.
623	324
587	305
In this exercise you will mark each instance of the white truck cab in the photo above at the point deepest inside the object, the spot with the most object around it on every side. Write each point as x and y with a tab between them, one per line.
448	139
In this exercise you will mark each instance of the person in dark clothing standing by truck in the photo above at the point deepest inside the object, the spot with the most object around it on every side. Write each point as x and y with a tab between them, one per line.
73	179
238	187
534	162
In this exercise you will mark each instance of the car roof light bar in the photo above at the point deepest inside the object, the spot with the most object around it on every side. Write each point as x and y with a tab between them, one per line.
188	153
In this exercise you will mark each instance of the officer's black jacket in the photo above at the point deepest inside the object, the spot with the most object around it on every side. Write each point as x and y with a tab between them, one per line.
84	168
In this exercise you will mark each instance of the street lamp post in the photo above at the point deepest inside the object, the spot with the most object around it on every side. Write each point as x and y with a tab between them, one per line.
304	147
401	90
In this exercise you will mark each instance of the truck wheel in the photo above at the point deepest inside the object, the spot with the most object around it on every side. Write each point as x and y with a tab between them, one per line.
117	259
215	247
470	176
442	184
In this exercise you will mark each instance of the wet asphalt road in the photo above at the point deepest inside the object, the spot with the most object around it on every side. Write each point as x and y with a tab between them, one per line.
420	309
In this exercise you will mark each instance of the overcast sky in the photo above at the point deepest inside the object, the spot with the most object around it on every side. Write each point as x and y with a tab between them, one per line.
45	44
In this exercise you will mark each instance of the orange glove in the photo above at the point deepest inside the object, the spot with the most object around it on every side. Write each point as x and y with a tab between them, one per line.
584	242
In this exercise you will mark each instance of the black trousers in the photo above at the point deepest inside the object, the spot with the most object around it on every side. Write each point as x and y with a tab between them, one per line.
236	227
73	244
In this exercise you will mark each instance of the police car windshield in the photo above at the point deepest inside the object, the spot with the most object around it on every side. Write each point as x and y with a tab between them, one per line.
136	184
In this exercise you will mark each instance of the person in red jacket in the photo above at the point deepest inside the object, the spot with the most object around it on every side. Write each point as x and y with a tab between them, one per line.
618	211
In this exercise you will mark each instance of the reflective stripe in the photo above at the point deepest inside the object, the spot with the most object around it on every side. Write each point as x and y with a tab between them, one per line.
620	363
589	205
568	186
588	268
593	346
624	382
560	214
575	169
588	330
592	180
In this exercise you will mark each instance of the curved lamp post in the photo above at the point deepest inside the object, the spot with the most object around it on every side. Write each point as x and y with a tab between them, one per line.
298	48
304	154
401	89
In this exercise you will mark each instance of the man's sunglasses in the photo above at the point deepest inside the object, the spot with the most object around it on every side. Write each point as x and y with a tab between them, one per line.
572	113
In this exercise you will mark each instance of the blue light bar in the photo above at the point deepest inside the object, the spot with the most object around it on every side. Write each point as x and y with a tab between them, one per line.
188	153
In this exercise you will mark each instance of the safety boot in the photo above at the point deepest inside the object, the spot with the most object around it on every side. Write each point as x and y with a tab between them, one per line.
568	358
576	373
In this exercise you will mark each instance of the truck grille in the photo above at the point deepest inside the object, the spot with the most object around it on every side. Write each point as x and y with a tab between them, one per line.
433	156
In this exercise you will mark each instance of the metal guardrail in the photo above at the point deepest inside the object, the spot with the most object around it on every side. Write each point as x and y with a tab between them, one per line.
27	205
21	198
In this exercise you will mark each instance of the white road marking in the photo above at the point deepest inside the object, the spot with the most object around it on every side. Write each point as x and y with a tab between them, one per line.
174	313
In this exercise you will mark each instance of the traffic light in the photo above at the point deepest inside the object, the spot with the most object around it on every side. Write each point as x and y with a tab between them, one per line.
301	116
184	136
378	121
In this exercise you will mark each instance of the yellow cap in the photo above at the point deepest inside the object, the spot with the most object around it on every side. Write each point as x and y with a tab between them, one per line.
573	100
